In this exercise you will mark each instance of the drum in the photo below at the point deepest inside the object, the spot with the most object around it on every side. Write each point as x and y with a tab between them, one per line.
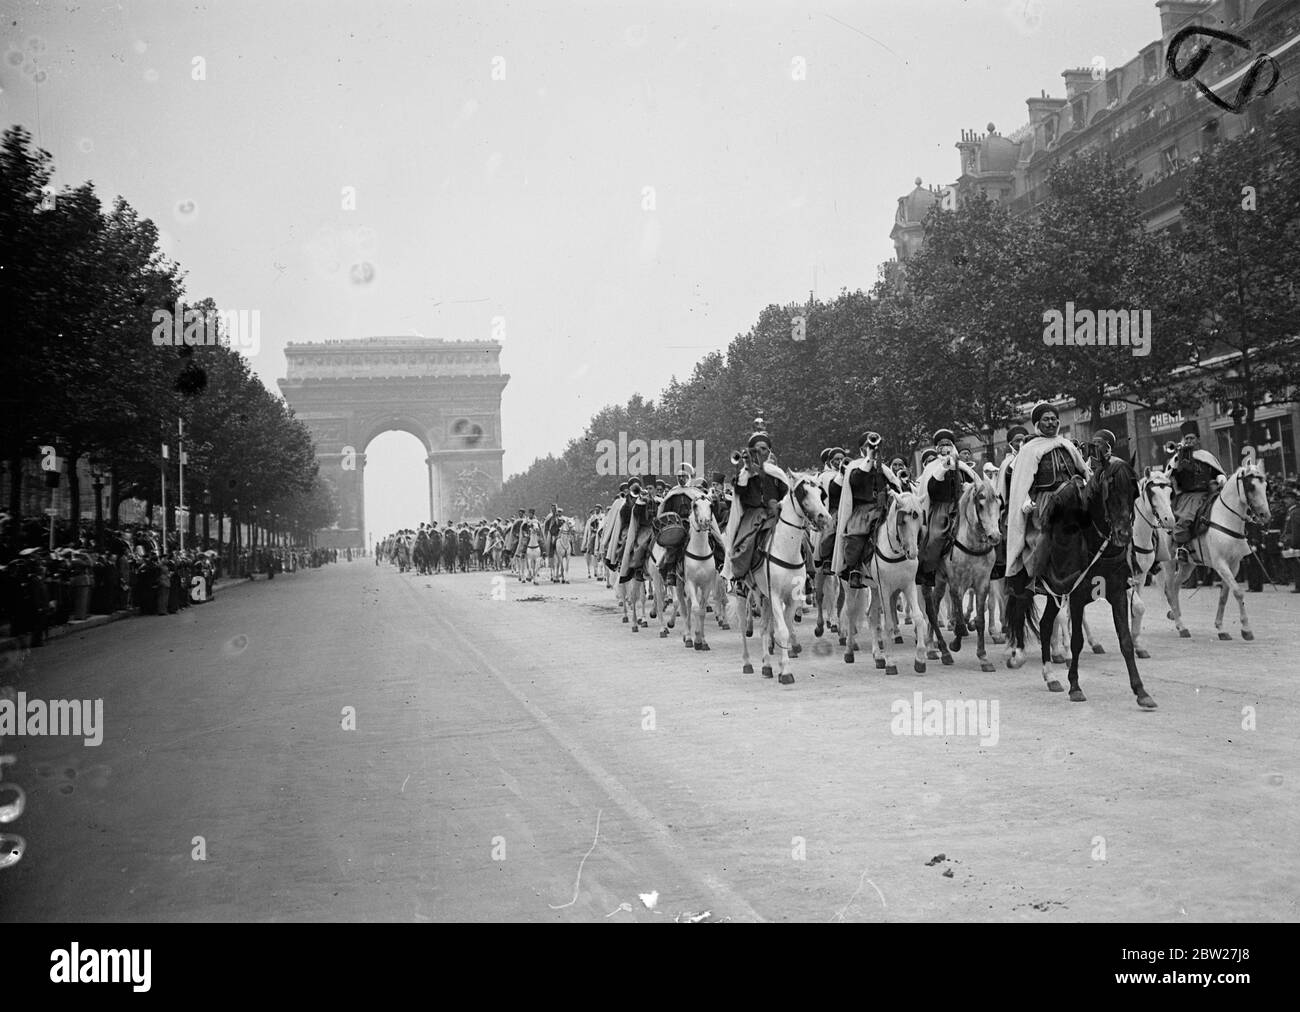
671	532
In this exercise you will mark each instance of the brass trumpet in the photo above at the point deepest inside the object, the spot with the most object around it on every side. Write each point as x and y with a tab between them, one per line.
1171	448
873	440
739	456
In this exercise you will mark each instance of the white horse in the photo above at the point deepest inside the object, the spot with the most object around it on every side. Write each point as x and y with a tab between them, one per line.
700	575
1243	497
891	570
779	579
591	545
561	549
531	534
1153	525
966	567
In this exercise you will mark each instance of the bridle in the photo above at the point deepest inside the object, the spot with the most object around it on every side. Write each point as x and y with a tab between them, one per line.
895	543
976	502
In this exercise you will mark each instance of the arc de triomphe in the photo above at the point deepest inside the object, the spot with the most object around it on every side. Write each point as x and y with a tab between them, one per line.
445	393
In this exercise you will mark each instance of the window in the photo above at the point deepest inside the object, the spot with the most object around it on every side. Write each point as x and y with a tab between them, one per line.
1112	89
1077	114
1049	129
1169	159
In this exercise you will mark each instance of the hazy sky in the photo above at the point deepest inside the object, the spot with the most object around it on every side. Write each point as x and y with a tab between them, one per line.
523	197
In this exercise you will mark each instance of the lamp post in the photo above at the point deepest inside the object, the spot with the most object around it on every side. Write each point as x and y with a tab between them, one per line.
97	483
207	506
986	431
236	537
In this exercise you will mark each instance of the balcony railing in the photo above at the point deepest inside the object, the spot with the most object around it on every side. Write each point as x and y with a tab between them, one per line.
1163	191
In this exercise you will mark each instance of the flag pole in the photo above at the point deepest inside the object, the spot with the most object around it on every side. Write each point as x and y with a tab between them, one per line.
162	550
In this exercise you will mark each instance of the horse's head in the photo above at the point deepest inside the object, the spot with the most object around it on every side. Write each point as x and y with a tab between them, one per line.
985	509
904	521
1157	491
702	513
807	496
1252	487
1111	495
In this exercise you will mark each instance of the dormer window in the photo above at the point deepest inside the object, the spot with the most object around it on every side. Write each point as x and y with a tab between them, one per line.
1077	113
1112	89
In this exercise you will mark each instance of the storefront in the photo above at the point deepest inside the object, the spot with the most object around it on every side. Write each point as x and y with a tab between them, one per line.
1156	428
1272	437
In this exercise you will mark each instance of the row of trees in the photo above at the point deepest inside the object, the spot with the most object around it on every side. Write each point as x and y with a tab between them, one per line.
79	287
955	335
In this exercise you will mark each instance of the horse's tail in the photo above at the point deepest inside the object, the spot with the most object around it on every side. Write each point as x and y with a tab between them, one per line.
1022	611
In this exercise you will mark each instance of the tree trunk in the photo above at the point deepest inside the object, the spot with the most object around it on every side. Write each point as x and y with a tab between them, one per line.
15	502
74	493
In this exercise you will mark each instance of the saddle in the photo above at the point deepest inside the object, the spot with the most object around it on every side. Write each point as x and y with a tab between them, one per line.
1201	521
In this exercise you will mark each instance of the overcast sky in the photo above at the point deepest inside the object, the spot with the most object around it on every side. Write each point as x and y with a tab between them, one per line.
523	197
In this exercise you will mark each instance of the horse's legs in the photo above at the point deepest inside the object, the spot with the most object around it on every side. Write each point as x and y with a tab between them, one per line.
1077	603
1119	612
1229	583
959	611
1093	645
981	611
1175	574
1046	633
920	628
1138	610
819	594
783	619
875	620
849	623
928	599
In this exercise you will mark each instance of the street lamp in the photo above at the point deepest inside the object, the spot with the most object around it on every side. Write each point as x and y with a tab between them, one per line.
97	483
207	507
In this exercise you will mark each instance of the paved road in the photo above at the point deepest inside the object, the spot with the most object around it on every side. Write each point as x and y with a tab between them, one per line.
492	735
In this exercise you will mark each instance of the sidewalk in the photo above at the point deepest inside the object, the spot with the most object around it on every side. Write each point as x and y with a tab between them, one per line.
94	621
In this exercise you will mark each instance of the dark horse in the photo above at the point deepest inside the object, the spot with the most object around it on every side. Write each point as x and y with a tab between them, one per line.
1088	531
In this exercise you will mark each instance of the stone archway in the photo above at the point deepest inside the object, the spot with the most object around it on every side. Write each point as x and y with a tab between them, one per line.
445	393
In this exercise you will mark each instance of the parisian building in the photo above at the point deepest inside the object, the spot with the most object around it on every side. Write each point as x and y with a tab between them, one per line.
1161	127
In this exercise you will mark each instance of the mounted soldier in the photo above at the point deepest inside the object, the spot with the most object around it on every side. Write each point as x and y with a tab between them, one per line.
676	506
940	486
1196	476
831	479
868	484
899	466
759	488
1043	464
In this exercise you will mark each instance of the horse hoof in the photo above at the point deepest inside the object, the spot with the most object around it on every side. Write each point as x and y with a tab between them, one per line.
724	625
786	679
907	621
645	623
1146	702
688	644
842	641
986	665
1143	653
625	618
708	609
636	627
848	657
898	639
663	634
1014	662
1055	686
998	639
702	646
653	613
1058	658
1185	634
1225	636
955	645
748	669
1246	634
932	654
818	630
767	671
891	669
672	621
1077	696
1097	648
796	650
797	618
918	667
947	660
